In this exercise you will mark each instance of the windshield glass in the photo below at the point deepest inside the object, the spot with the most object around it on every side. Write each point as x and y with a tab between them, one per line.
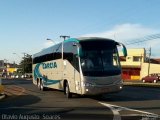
100	59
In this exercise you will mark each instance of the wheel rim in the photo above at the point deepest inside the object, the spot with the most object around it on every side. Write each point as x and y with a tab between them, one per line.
39	85
67	89
154	81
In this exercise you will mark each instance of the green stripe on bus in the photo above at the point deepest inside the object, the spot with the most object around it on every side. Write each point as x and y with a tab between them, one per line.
72	40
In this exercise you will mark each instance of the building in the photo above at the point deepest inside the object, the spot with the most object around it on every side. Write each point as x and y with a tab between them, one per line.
1	63
131	65
1	67
137	65
7	69
148	68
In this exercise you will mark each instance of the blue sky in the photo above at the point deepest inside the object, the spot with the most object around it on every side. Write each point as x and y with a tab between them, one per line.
26	24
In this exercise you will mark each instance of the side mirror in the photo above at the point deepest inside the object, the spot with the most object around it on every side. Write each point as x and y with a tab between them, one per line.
80	52
124	49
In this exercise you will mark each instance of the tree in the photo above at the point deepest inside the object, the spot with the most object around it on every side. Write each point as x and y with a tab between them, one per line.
26	63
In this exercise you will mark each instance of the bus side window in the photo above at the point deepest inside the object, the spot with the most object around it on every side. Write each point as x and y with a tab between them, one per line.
70	53
49	57
58	52
43	58
57	55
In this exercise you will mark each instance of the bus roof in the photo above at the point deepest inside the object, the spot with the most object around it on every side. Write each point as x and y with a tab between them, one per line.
46	50
87	39
80	39
93	38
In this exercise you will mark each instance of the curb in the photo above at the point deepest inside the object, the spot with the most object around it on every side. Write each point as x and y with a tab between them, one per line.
153	85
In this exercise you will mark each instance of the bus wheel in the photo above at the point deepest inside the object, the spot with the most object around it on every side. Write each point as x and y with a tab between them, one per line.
67	91
42	86
39	84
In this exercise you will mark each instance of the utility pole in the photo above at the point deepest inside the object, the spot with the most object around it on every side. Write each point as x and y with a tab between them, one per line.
64	37
149	60
17	55
6	70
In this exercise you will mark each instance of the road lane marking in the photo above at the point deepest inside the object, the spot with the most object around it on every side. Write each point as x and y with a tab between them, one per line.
115	109
116	113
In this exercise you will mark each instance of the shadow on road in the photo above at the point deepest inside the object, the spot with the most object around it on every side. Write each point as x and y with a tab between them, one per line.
18	101
131	94
15	81
25	105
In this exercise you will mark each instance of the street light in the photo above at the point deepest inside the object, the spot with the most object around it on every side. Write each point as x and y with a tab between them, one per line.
51	40
64	37
18	57
16	54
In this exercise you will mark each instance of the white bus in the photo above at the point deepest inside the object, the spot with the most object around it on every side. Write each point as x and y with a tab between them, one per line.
85	66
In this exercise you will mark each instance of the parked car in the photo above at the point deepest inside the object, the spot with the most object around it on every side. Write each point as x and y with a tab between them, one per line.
154	77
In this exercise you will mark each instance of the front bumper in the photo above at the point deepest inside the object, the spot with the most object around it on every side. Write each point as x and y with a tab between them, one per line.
101	89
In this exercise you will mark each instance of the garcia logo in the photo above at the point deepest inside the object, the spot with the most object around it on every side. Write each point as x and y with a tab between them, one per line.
49	65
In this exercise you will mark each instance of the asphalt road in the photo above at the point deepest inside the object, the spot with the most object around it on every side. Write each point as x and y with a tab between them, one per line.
25	102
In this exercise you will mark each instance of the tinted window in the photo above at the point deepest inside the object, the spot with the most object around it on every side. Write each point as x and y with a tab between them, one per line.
100	58
70	54
51	54
58	52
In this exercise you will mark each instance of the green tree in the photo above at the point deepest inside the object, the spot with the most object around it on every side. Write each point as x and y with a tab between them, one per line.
26	64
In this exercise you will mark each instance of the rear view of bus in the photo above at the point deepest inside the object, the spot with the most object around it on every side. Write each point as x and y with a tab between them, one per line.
100	66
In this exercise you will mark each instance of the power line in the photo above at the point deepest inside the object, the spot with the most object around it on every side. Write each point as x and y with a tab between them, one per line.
146	38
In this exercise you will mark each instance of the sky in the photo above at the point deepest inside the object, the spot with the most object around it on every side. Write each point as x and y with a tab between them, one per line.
26	24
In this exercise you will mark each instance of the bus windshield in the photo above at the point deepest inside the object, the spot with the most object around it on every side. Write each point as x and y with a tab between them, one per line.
100	59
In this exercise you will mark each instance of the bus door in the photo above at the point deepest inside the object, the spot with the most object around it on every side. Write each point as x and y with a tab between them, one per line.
71	67
77	76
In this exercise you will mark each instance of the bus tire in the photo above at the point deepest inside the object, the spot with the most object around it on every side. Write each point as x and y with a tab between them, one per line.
42	86
67	91
39	84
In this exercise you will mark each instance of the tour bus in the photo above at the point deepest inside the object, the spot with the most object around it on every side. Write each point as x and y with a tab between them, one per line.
85	66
